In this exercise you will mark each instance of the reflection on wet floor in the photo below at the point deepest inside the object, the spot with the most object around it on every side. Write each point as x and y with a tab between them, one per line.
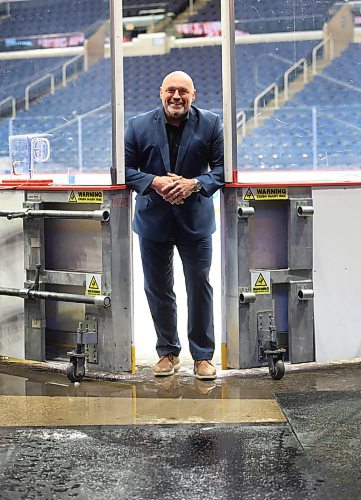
145	399
19	380
99	440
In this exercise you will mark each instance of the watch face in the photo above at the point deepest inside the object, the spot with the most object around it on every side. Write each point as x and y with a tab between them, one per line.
198	186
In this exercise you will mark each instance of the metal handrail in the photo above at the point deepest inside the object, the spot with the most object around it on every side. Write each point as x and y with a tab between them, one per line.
75	120
259	97
268	55
65	67
241	120
31	85
319	46
300	62
13	104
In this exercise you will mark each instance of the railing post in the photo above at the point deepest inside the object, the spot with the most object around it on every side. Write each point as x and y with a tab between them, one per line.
31	85
13	105
241	122
11	126
259	97
80	144
328	40
314	138
65	66
287	73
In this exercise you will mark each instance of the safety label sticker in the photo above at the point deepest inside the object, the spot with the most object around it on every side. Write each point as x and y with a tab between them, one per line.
261	282
86	197
265	193
93	284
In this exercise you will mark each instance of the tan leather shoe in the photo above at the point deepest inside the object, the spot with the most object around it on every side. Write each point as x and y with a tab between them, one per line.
204	370
166	365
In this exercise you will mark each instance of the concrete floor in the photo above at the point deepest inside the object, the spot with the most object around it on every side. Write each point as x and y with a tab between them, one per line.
243	435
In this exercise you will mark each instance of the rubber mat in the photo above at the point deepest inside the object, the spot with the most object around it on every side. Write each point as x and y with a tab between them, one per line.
156	462
327	425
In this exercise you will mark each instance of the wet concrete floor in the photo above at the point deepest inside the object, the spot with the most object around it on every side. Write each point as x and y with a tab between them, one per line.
243	435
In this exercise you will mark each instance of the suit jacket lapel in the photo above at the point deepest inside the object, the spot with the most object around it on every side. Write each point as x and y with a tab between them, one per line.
186	139
163	139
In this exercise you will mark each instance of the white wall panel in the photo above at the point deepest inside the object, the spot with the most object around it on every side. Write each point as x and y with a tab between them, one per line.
337	272
12	275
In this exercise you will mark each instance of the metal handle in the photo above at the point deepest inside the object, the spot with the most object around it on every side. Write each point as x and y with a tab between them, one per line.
100	215
28	293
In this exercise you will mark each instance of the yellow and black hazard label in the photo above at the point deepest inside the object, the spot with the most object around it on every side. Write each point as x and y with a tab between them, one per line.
86	197
265	193
249	195
73	198
261	282
93	284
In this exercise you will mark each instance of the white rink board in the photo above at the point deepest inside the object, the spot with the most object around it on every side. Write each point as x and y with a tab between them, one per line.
337	272
12	275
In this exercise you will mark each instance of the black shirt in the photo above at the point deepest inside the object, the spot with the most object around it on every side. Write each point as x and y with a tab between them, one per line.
174	135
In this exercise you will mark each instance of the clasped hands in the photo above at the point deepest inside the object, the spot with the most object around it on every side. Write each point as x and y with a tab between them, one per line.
173	188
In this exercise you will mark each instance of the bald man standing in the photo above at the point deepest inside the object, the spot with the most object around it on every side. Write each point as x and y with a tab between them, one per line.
174	161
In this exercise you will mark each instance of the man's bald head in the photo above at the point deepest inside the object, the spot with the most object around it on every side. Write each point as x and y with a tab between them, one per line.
177	94
177	75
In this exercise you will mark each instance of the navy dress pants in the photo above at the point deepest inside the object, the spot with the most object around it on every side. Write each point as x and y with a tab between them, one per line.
157	260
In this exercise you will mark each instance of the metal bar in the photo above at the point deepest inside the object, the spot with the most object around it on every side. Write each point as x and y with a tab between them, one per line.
241	122
85	115
314	54
287	73
65	67
259	97
229	88
100	215
28	293
31	85
13	104
11	126
191	7
314	137
80	144
116	42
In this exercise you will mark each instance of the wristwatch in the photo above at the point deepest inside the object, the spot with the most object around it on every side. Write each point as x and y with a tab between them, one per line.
197	185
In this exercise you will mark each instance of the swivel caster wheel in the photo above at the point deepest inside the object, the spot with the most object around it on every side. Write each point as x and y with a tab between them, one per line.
74	373
278	370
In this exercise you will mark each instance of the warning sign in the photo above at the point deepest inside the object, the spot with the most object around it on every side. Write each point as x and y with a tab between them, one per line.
261	282
86	197
93	284
73	198
249	195
265	193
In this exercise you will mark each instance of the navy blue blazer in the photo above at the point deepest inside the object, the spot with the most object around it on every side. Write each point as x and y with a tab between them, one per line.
200	156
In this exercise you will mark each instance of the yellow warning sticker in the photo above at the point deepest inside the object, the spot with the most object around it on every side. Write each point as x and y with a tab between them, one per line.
86	197
249	195
73	198
261	282
93	284
265	193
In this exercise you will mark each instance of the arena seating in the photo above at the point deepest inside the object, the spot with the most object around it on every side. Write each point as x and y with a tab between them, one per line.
318	128
256	68
18	73
263	16
39	17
